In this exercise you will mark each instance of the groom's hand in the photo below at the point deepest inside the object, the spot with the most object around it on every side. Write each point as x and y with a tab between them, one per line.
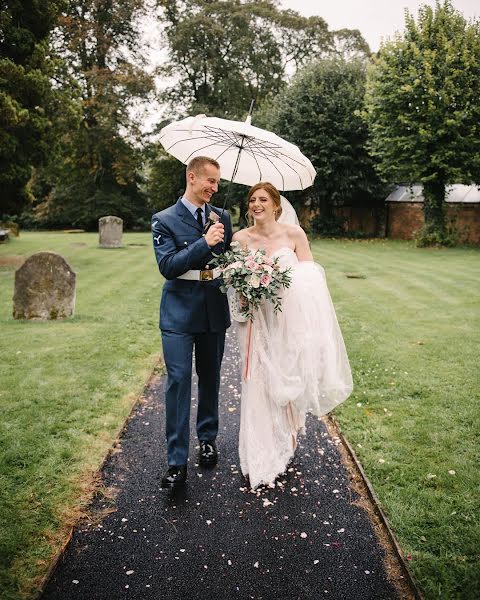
215	234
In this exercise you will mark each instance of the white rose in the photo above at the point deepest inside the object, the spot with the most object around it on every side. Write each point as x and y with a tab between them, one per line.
254	280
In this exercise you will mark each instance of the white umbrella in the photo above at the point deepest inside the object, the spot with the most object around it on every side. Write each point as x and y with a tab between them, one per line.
246	154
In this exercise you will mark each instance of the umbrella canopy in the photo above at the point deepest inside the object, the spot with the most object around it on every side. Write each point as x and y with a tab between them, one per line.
246	154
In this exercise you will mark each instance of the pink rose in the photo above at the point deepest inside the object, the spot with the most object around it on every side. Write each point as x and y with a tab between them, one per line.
251	264
265	280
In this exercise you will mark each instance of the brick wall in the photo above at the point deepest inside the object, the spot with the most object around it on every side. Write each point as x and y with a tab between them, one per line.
358	218
465	218
405	218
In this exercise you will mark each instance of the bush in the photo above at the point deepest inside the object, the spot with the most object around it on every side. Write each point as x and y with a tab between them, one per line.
427	237
81	204
328	226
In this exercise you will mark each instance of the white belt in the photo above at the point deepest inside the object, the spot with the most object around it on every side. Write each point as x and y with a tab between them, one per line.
203	275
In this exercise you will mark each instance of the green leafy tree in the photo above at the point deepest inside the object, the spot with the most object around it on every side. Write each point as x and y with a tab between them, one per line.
26	95
165	178
321	113
95	169
423	105
223	54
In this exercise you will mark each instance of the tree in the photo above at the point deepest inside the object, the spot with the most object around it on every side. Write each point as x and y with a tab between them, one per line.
165	177
320	113
95	169
26	95
423	108
223	54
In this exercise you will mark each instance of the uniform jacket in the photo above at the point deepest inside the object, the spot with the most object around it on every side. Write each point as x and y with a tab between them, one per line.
179	245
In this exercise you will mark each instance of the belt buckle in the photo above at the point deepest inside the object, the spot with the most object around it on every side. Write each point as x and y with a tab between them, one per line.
206	275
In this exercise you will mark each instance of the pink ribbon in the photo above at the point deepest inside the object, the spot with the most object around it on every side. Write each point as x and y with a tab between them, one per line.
247	354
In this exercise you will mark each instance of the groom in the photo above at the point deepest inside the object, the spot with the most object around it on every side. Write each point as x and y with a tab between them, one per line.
193	313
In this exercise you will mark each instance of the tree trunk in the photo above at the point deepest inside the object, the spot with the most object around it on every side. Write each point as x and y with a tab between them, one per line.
433	207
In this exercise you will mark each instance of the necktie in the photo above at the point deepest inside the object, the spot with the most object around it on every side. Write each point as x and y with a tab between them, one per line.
199	217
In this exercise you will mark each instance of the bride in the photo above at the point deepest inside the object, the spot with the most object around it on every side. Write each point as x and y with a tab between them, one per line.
297	362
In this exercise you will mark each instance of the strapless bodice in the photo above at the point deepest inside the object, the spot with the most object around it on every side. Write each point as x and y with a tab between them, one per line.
286	256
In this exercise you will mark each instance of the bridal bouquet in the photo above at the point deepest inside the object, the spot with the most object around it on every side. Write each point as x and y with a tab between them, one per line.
254	277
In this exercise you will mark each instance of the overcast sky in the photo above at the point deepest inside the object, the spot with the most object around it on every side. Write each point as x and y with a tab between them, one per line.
376	19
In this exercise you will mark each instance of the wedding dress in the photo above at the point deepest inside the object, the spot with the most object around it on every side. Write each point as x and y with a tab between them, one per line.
293	362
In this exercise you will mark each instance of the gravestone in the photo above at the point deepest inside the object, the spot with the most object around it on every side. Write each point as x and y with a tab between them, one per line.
11	227
110	231
44	288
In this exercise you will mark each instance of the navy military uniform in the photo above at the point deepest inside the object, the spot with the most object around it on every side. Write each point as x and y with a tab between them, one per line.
194	314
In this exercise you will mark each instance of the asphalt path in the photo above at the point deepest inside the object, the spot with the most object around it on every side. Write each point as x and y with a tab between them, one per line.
305	538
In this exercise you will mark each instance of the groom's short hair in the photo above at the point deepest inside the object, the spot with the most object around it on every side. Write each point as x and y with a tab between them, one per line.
198	163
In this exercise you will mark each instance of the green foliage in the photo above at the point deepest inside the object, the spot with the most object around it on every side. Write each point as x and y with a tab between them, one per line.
423	106
320	113
225	53
81	203
165	178
427	237
328	226
26	95
94	169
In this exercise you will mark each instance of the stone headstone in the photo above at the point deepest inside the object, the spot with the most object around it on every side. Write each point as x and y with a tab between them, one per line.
11	226
110	231
44	288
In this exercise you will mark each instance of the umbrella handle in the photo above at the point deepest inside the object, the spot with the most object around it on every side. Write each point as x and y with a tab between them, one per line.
248	120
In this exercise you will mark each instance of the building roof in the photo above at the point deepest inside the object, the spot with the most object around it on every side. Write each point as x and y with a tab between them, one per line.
456	194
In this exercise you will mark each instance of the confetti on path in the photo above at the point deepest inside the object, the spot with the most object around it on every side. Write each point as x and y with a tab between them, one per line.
215	538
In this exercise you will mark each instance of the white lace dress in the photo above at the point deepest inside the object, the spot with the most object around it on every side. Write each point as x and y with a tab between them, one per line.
297	363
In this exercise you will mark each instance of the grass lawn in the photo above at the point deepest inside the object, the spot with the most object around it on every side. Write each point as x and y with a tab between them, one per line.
66	388
412	332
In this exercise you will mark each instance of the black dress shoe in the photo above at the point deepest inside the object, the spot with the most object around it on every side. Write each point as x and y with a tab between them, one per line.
208	455
175	476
